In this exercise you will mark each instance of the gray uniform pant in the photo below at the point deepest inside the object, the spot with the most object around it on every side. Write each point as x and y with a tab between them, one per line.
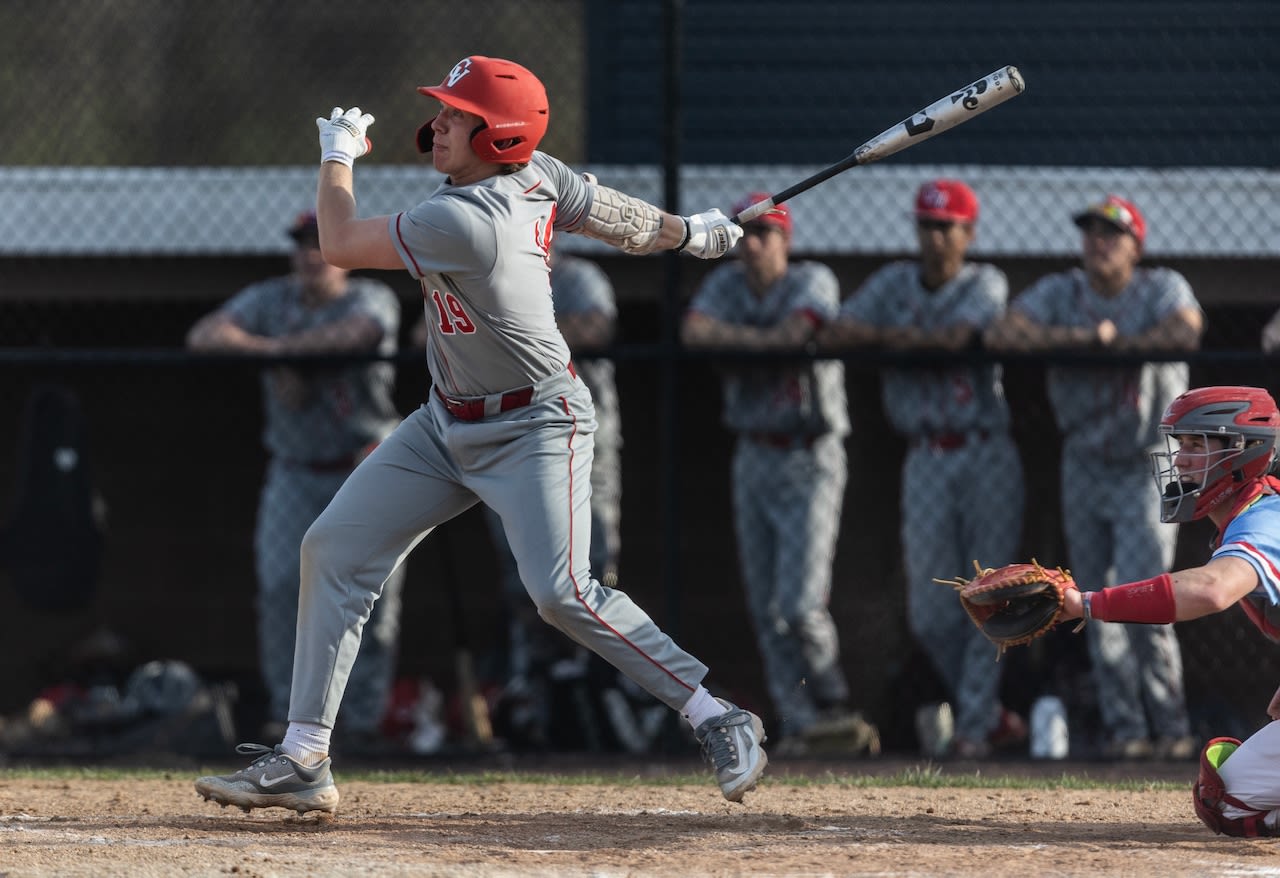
532	466
787	505
528	638
1111	521
291	499
959	505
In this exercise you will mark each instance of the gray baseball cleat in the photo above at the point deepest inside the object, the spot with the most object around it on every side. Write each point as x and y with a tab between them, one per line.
273	780
731	743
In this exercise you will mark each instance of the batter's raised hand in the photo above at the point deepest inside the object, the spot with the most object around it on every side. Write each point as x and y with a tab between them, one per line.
342	136
711	234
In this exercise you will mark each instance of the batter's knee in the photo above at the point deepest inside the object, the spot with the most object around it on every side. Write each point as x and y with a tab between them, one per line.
558	606
321	545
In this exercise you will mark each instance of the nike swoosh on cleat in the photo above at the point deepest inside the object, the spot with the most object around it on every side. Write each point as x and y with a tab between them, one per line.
742	745
263	782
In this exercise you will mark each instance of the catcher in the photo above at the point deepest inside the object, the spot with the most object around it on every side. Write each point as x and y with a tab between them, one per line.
1218	463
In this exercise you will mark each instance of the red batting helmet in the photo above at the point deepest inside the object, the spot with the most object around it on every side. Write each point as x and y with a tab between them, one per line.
1246	418
510	100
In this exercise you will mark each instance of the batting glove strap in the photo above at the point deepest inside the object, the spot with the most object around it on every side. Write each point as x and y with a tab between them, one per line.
688	232
710	234
342	136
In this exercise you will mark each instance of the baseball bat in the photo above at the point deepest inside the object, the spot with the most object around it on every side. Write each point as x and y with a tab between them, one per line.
942	115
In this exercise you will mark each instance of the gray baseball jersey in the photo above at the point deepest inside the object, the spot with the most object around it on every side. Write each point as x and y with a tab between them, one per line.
956	421
922	402
344	409
1111	411
806	398
508	423
481	254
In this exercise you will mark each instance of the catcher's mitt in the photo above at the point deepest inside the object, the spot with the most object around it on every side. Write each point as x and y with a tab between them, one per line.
1013	604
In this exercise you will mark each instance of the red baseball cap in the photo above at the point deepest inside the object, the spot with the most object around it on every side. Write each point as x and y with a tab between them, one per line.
1122	214
779	215
947	200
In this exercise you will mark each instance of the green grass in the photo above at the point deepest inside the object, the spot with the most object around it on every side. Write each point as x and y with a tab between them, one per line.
926	776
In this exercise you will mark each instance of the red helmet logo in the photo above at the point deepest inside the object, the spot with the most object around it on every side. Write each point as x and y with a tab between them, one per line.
461	69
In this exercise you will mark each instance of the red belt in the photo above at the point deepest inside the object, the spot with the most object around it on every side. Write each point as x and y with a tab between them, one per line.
473	409
782	441
949	441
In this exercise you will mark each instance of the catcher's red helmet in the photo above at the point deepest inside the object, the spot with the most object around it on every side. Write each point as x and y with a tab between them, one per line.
1245	418
508	97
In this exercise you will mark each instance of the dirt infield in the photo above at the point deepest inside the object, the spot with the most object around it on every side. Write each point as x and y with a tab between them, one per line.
803	821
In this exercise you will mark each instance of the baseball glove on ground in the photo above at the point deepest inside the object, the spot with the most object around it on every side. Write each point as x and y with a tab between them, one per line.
1014	604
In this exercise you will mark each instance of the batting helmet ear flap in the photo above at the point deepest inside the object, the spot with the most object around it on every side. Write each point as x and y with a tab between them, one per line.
424	136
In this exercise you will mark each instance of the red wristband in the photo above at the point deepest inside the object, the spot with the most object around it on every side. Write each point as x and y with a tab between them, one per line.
1150	601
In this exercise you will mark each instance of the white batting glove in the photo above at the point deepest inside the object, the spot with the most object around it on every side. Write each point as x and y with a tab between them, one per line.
711	234
342	136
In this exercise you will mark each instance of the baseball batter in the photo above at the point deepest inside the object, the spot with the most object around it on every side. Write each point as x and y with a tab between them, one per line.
509	423
956	422
318	424
1218	463
1109	417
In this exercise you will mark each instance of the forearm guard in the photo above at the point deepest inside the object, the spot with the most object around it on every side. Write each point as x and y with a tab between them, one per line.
627	223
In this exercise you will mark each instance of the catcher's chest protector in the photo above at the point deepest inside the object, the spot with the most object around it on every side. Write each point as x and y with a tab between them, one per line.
1210	794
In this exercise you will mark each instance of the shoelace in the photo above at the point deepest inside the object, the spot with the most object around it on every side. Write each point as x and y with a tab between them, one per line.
264	753
718	747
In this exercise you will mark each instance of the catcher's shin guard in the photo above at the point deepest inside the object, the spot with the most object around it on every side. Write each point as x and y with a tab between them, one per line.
1210	794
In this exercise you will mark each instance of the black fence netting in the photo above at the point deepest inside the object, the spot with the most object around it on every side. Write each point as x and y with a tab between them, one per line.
958	353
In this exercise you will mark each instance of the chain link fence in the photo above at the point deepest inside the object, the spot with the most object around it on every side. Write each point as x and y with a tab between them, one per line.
167	148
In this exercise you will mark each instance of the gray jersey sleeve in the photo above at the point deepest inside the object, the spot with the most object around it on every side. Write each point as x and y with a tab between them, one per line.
444	235
250	308
873	302
573	193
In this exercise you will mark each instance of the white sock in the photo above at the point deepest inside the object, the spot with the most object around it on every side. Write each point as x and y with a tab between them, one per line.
701	707
306	743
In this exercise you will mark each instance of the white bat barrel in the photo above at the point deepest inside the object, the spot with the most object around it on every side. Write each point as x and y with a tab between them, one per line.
942	115
977	97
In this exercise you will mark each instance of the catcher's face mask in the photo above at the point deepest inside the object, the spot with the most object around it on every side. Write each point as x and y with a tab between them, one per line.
1239	423
1194	472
